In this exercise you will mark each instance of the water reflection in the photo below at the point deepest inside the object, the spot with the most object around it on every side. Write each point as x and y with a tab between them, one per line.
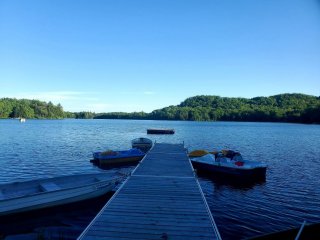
220	180
49	148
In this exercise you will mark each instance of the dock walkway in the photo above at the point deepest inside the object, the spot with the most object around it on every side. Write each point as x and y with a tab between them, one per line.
162	199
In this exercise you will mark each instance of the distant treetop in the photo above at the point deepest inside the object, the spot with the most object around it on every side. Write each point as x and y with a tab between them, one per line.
25	108
295	107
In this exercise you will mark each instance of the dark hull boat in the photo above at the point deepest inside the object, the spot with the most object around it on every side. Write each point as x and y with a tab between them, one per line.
233	165
110	157
219	169
160	131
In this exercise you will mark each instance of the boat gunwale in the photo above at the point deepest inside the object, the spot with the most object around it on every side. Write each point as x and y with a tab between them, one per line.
57	190
115	156
235	167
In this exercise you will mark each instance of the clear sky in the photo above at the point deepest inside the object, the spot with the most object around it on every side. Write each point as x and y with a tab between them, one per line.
142	55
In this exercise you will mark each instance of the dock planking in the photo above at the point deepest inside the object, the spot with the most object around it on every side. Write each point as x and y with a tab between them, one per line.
161	199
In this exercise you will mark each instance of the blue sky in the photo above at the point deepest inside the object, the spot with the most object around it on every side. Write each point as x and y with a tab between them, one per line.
142	55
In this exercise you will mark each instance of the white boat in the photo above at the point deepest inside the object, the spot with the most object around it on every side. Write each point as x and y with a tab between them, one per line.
36	194
144	144
22	119
227	162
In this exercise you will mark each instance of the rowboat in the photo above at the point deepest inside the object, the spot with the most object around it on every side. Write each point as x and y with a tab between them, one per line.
228	162
18	197
144	144
111	157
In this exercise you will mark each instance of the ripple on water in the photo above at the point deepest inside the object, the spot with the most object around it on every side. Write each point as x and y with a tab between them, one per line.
289	194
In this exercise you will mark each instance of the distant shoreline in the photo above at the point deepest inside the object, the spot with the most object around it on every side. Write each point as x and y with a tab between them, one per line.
287	108
16	119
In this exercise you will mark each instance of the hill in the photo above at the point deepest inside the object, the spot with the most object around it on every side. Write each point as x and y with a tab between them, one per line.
17	108
278	108
298	108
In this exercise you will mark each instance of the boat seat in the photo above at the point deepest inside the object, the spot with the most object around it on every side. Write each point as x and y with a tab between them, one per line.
49	186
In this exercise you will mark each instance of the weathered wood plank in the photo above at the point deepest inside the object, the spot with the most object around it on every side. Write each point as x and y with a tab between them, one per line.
170	232
151	207
149	233
161	221
179	217
153	223
161	200
146	213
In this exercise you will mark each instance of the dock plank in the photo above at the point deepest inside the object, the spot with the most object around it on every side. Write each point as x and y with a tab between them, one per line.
161	199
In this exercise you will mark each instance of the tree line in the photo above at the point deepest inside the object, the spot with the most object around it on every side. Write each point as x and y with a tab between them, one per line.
298	108
25	108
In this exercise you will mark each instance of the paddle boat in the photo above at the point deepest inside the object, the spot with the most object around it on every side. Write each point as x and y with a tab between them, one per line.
111	157
144	144
18	197
227	162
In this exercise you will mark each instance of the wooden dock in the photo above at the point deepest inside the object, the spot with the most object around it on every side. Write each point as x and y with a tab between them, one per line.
161	199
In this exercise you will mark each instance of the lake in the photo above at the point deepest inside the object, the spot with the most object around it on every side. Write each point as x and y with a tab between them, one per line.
289	195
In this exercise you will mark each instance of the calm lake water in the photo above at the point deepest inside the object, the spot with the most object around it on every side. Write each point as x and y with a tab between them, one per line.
289	195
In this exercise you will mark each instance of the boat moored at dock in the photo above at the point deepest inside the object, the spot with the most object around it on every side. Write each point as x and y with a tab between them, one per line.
18	197
110	157
144	144
228	162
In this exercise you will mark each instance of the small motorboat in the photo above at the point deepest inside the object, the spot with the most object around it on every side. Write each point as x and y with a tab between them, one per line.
111	157
160	131
228	162
144	144
18	197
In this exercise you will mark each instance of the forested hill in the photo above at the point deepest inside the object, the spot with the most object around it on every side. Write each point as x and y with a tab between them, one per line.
278	108
25	108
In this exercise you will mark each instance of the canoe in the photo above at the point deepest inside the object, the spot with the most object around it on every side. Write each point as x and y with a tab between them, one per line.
111	157
160	131
144	144
18	197
226	163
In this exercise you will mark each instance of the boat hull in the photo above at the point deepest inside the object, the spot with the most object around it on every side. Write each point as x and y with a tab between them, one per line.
119	161
117	157
236	172
54	197
160	131
144	144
